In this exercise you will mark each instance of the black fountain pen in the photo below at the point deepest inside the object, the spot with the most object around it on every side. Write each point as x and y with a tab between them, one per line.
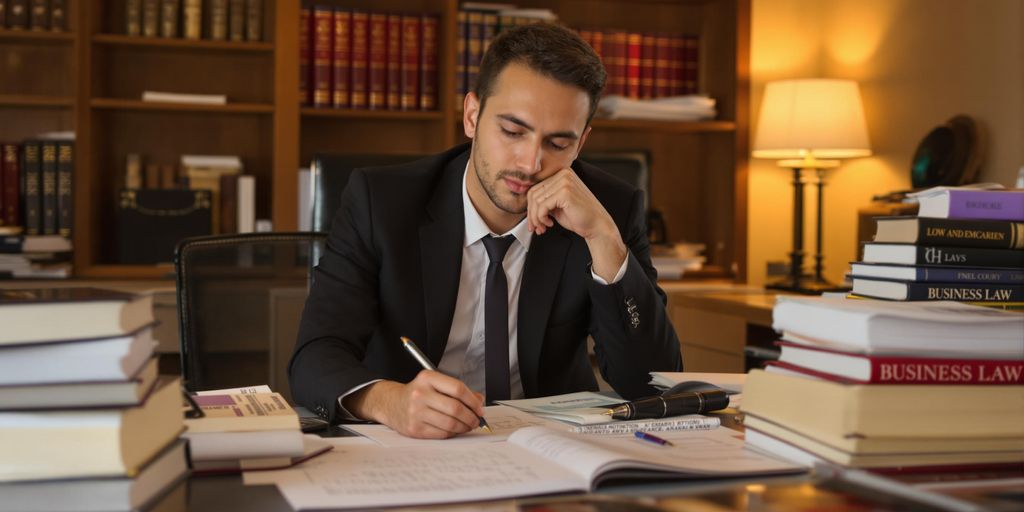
662	406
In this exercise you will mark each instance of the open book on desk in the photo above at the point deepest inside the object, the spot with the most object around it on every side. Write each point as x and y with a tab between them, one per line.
534	461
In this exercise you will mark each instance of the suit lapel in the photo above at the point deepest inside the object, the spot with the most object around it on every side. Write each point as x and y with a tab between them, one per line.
541	276
441	237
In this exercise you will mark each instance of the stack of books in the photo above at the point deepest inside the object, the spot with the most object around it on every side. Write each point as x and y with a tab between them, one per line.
246	429
85	422
872	384
965	245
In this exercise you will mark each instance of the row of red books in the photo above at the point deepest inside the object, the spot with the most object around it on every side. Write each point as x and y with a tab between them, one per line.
646	65
36	186
357	59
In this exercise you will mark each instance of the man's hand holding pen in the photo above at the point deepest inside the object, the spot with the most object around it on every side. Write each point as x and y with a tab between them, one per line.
431	406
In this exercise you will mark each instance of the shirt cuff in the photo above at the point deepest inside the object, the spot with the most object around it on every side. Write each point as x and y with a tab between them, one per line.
618	275
343	413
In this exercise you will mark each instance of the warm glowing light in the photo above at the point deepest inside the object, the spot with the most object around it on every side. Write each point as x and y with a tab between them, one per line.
811	119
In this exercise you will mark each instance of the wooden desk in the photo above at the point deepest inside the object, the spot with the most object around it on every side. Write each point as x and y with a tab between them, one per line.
717	322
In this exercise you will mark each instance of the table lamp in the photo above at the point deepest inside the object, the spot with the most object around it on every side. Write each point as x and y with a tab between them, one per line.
809	124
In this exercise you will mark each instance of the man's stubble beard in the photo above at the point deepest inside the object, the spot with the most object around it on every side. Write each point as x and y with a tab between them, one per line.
491	187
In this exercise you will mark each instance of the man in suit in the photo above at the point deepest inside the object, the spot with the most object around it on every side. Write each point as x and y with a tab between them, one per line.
430	250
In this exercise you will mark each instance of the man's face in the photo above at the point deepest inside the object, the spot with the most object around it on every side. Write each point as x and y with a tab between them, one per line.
532	127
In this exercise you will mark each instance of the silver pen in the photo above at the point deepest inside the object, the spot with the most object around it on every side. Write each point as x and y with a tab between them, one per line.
427	365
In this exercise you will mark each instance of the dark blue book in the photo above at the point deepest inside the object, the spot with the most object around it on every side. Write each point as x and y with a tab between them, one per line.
961	292
938	273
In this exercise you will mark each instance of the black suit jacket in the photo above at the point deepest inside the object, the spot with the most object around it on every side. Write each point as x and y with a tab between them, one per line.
392	268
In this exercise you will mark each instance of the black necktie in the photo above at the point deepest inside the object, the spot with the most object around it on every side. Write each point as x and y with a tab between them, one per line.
496	320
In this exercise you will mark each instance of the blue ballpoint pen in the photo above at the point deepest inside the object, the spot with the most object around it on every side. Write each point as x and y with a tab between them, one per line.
652	438
427	365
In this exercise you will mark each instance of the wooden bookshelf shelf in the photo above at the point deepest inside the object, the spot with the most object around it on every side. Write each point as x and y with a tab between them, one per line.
36	36
162	271
665	126
397	115
22	100
234	108
178	43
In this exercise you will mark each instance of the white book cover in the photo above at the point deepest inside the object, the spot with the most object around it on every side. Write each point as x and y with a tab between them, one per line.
246	203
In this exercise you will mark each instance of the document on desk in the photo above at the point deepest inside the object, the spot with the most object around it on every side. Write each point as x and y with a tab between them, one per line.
534	460
502	419
582	408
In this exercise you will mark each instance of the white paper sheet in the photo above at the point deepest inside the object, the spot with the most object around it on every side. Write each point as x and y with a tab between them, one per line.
502	419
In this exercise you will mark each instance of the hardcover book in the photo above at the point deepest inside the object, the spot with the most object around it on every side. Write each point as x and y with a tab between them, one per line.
474	46
192	19
69	394
323	25
133	17
342	58
58	15
17	14
410	63
360	58
963	292
39	14
27	314
254	20
938	273
236	20
910	254
393	63
428	61
32	177
218	28
48	176
950	232
10	193
65	168
851	366
169	10
150	18
955	203
378	54
633	48
461	53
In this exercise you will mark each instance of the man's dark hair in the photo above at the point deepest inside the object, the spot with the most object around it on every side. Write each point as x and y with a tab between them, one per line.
551	50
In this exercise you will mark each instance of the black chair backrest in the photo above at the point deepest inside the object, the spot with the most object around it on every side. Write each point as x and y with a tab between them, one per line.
239	301
330	173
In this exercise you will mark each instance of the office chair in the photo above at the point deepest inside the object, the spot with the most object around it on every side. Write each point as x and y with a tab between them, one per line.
330	173
240	297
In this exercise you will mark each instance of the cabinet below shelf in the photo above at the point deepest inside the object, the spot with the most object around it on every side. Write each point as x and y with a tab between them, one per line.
126	104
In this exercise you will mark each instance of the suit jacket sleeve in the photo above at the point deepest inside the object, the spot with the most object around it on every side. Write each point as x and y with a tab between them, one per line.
340	313
632	333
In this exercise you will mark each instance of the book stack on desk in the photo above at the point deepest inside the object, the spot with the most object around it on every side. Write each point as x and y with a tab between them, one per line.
964	245
870	384
85	422
240	431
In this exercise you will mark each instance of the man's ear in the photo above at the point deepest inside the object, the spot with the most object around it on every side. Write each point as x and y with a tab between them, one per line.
470	111
583	139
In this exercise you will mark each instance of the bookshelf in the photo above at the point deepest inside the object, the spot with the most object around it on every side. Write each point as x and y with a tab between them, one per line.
94	75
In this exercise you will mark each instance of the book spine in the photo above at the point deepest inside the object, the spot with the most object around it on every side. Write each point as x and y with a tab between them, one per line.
254	20
133	17
970	275
169	18
662	67
304	48
378	54
32	178
393	62
474	48
246	216
11	189
17	15
986	204
461	44
428	61
150	18
648	58
676	47
633	42
615	61
39	14
48	157
218	28
691	53
598	44
971	233
65	168
323	22
236	20
360	56
970	257
193	19
488	29
410	72
58	15
965	292
926	371
342	58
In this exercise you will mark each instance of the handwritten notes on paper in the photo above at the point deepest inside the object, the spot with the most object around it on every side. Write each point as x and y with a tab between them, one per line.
503	421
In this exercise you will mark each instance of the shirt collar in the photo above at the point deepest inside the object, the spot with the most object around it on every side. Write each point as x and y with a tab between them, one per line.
476	228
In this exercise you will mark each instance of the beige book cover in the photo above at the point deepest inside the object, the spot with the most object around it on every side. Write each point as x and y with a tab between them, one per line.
242	412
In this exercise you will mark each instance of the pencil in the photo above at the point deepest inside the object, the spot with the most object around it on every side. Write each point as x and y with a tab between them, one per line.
427	365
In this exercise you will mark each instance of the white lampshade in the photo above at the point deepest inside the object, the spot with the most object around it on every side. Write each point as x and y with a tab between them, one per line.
811	118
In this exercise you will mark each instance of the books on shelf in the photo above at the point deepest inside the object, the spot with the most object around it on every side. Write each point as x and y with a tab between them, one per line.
235	20
119	492
968	203
28	314
890	327
36	186
174	97
52	443
853	366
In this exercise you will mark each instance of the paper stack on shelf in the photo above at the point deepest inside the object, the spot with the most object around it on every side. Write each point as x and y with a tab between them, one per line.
693	107
673	261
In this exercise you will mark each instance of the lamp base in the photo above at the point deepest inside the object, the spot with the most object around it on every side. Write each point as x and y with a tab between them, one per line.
806	285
